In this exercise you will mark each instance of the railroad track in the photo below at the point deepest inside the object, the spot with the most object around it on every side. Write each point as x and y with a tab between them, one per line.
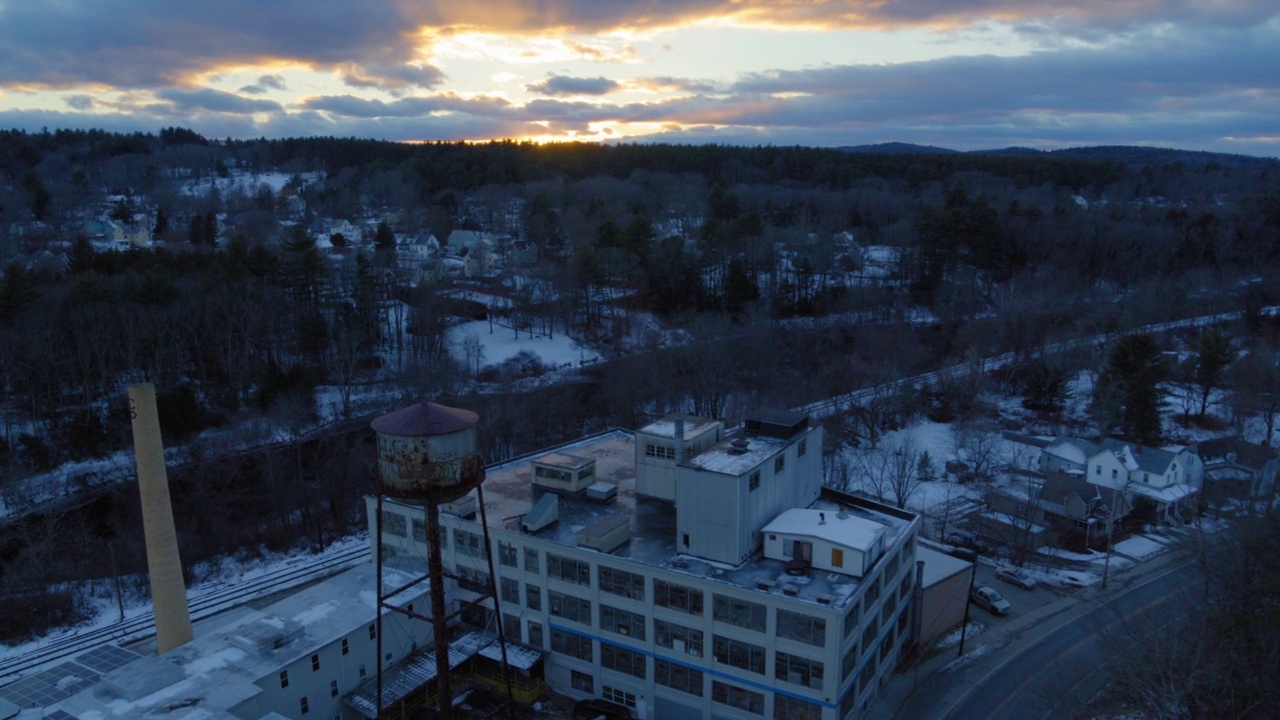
207	603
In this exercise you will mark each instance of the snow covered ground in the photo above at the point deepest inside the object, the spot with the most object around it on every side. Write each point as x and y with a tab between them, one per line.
499	343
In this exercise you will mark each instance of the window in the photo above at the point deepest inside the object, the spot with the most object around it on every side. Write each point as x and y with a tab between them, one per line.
419	530
472	579
582	681
677	597
779	464
510	591
872	595
622	622
738	654
851	620
569	570
506	554
373	631
511	627
886	645
531	561
804	628
315	662
677	637
891	567
797	670
393	523
659	451
890	606
468	543
789	708
868	672
533	597
903	619
848	662
1097	469
753	482
570	607
362	671
621	582
743	613
571	645
1114	473
621	697
535	634
678	677
905	589
346	648
837	557
734	696
624	660
333	688
802	447
302	705
869	633
284	678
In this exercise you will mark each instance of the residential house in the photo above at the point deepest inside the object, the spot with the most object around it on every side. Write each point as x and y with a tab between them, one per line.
479	260
1231	467
1157	475
461	241
1051	507
413	251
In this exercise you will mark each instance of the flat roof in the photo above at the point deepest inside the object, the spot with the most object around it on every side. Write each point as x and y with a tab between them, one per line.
564	460
666	427
939	566
736	455
509	493
839	528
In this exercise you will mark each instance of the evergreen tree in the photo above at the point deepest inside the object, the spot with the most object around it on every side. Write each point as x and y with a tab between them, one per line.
1214	355
1127	396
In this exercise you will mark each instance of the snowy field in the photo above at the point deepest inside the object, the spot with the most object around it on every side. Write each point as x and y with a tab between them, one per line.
499	343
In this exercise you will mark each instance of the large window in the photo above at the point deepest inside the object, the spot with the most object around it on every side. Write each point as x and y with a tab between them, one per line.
622	622
569	570
570	607
804	628
618	695
677	597
789	708
677	637
468	543
393	523
473	579
849	662
510	590
571	645
742	613
506	554
533	597
535	633
582	681
851	619
738	654
659	451
531	561
679	677
734	696
621	582
797	670
616	657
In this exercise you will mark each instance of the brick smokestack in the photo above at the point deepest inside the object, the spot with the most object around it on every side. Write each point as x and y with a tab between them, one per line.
168	591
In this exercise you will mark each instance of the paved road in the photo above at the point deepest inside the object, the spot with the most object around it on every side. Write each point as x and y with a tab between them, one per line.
1067	666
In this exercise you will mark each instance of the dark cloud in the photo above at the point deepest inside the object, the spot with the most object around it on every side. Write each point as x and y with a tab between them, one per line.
216	101
391	77
674	84
80	102
356	107
265	82
556	85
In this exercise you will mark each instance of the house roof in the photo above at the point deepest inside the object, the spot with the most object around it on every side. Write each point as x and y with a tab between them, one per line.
838	528
1072	450
1247	454
1138	457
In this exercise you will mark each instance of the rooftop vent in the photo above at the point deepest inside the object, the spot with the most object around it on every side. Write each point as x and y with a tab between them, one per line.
739	446
543	513
602	492
606	534
825	599
766	585
267	634
790	590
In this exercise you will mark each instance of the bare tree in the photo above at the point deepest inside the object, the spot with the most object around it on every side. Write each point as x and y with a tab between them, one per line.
891	471
979	446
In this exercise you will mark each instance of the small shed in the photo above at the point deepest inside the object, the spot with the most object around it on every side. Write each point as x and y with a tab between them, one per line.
606	534
562	472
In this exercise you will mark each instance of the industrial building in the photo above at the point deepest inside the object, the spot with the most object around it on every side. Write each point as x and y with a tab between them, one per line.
683	571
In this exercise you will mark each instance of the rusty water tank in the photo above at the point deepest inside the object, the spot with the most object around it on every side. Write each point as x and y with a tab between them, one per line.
427	452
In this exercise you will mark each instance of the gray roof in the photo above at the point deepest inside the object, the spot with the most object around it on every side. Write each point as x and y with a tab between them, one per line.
1248	454
1150	460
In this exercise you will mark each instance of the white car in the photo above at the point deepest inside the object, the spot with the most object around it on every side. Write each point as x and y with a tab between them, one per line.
1014	576
988	599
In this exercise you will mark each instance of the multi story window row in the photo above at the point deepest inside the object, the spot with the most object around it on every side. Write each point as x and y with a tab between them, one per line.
569	607
420	532
393	523
677	597
677	637
622	622
625	660
659	451
801	627
472	579
677	677
577	572
507	554
738	653
742	613
620	582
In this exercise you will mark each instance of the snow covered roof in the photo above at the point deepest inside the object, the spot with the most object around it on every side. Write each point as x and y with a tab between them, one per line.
736	456
939	566
1072	450
1138	457
838	528
1169	494
666	427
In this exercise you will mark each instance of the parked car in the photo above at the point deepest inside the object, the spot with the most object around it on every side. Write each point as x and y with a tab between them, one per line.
594	708
1015	576
963	553
988	599
961	538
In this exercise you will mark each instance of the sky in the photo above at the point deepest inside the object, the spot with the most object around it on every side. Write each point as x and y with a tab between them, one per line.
962	74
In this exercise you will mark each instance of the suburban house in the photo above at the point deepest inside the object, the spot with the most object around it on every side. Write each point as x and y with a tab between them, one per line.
461	241
1157	475
479	260
414	250
1043	508
1231	467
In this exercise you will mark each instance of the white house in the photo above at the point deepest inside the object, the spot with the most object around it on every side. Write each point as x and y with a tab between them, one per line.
1158	475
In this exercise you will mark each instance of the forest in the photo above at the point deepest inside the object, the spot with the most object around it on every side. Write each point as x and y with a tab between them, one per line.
711	279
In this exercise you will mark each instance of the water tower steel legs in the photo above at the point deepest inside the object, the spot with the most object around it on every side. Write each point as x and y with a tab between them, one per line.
435	568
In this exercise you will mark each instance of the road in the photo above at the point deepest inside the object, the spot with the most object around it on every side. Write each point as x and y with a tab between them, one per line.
1052	669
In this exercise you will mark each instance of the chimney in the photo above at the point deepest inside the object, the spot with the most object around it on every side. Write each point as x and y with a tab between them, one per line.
168	592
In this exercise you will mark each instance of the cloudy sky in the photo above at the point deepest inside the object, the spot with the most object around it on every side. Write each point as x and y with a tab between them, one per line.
965	74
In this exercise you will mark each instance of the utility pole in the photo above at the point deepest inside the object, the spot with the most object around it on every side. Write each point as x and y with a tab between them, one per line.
964	625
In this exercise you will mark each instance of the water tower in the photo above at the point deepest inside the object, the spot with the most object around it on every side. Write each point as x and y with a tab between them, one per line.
427	455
